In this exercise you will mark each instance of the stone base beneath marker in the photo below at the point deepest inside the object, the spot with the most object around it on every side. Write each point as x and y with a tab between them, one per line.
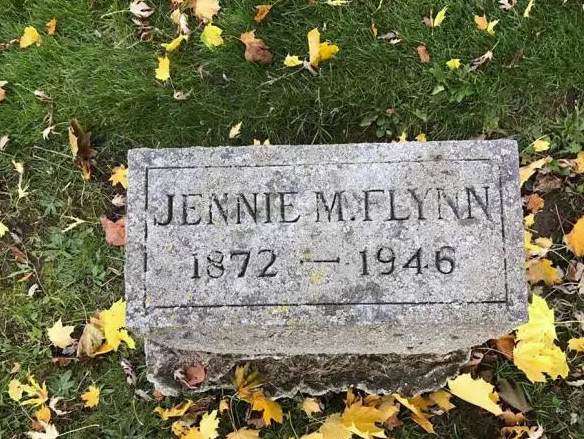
312	374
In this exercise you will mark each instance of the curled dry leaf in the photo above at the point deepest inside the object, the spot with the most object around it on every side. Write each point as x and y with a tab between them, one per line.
3	142
115	232
129	371
141	9
423	54
51	26
255	49
481	60
261	12
392	37
80	143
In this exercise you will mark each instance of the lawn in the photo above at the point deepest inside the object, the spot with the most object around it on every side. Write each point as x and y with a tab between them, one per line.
96	69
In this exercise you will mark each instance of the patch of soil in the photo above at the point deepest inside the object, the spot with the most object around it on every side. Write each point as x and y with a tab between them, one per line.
560	212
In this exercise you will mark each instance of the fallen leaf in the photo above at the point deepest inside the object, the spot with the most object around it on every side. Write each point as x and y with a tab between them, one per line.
3	229
91	397
374	29
442	399
546	182
513	396
541	144
527	11
163	69
310	406
30	37
539	270
477	392
454	63
181	95
507	4
43	414
576	344
421	138
211	36
261	12
129	371
481	60
119	176
292	61
418	415
333	428
525	172
51	26
511	418
223	406
246	382
505	345
579	157
174	44
244	433
176	411
60	335
575	239
141	9
235	130
112	321
80	143
271	410
204	10
392	37
485	25
362	420
433	22
317	51
534	203
194	375
115	232
536	358
2	91
255	49
3	142
181	21
423	54
209	425
37	394
50	432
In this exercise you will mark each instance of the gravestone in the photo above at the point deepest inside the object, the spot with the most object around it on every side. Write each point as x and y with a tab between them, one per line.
377	265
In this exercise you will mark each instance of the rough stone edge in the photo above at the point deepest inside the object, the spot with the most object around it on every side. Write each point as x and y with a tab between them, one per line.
162	361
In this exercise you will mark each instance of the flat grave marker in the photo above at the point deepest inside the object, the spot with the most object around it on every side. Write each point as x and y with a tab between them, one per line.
405	248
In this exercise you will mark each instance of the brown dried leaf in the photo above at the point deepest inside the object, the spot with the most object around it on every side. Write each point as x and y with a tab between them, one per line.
505	345
261	12
192	376
157	395
18	254
255	49
513	396
115	232
534	203
511	418
423	54
547	182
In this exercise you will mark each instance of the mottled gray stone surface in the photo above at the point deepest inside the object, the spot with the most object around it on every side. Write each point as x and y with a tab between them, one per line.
420	253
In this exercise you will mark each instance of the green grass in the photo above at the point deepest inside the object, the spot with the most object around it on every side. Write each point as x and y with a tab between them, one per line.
96	71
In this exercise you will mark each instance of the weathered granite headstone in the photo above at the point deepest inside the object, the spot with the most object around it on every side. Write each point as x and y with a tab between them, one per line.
377	265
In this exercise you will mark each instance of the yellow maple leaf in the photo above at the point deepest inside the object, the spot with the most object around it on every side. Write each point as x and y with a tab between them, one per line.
310	406
333	428
575	239
211	36
525	172
30	37
51	26
477	392
38	394
246	382
163	69
576	344
91	397
209	425
539	247
536	358
529	221
361	420
541	144
261	12
15	390
454	63
235	130
539	270
292	61
418	416
112	321
3	229
43	414
174	412
119	176
540	325
205	10
192	433
318	51
442	399
271	410
244	433
60	335
421	137
440	16
174	44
